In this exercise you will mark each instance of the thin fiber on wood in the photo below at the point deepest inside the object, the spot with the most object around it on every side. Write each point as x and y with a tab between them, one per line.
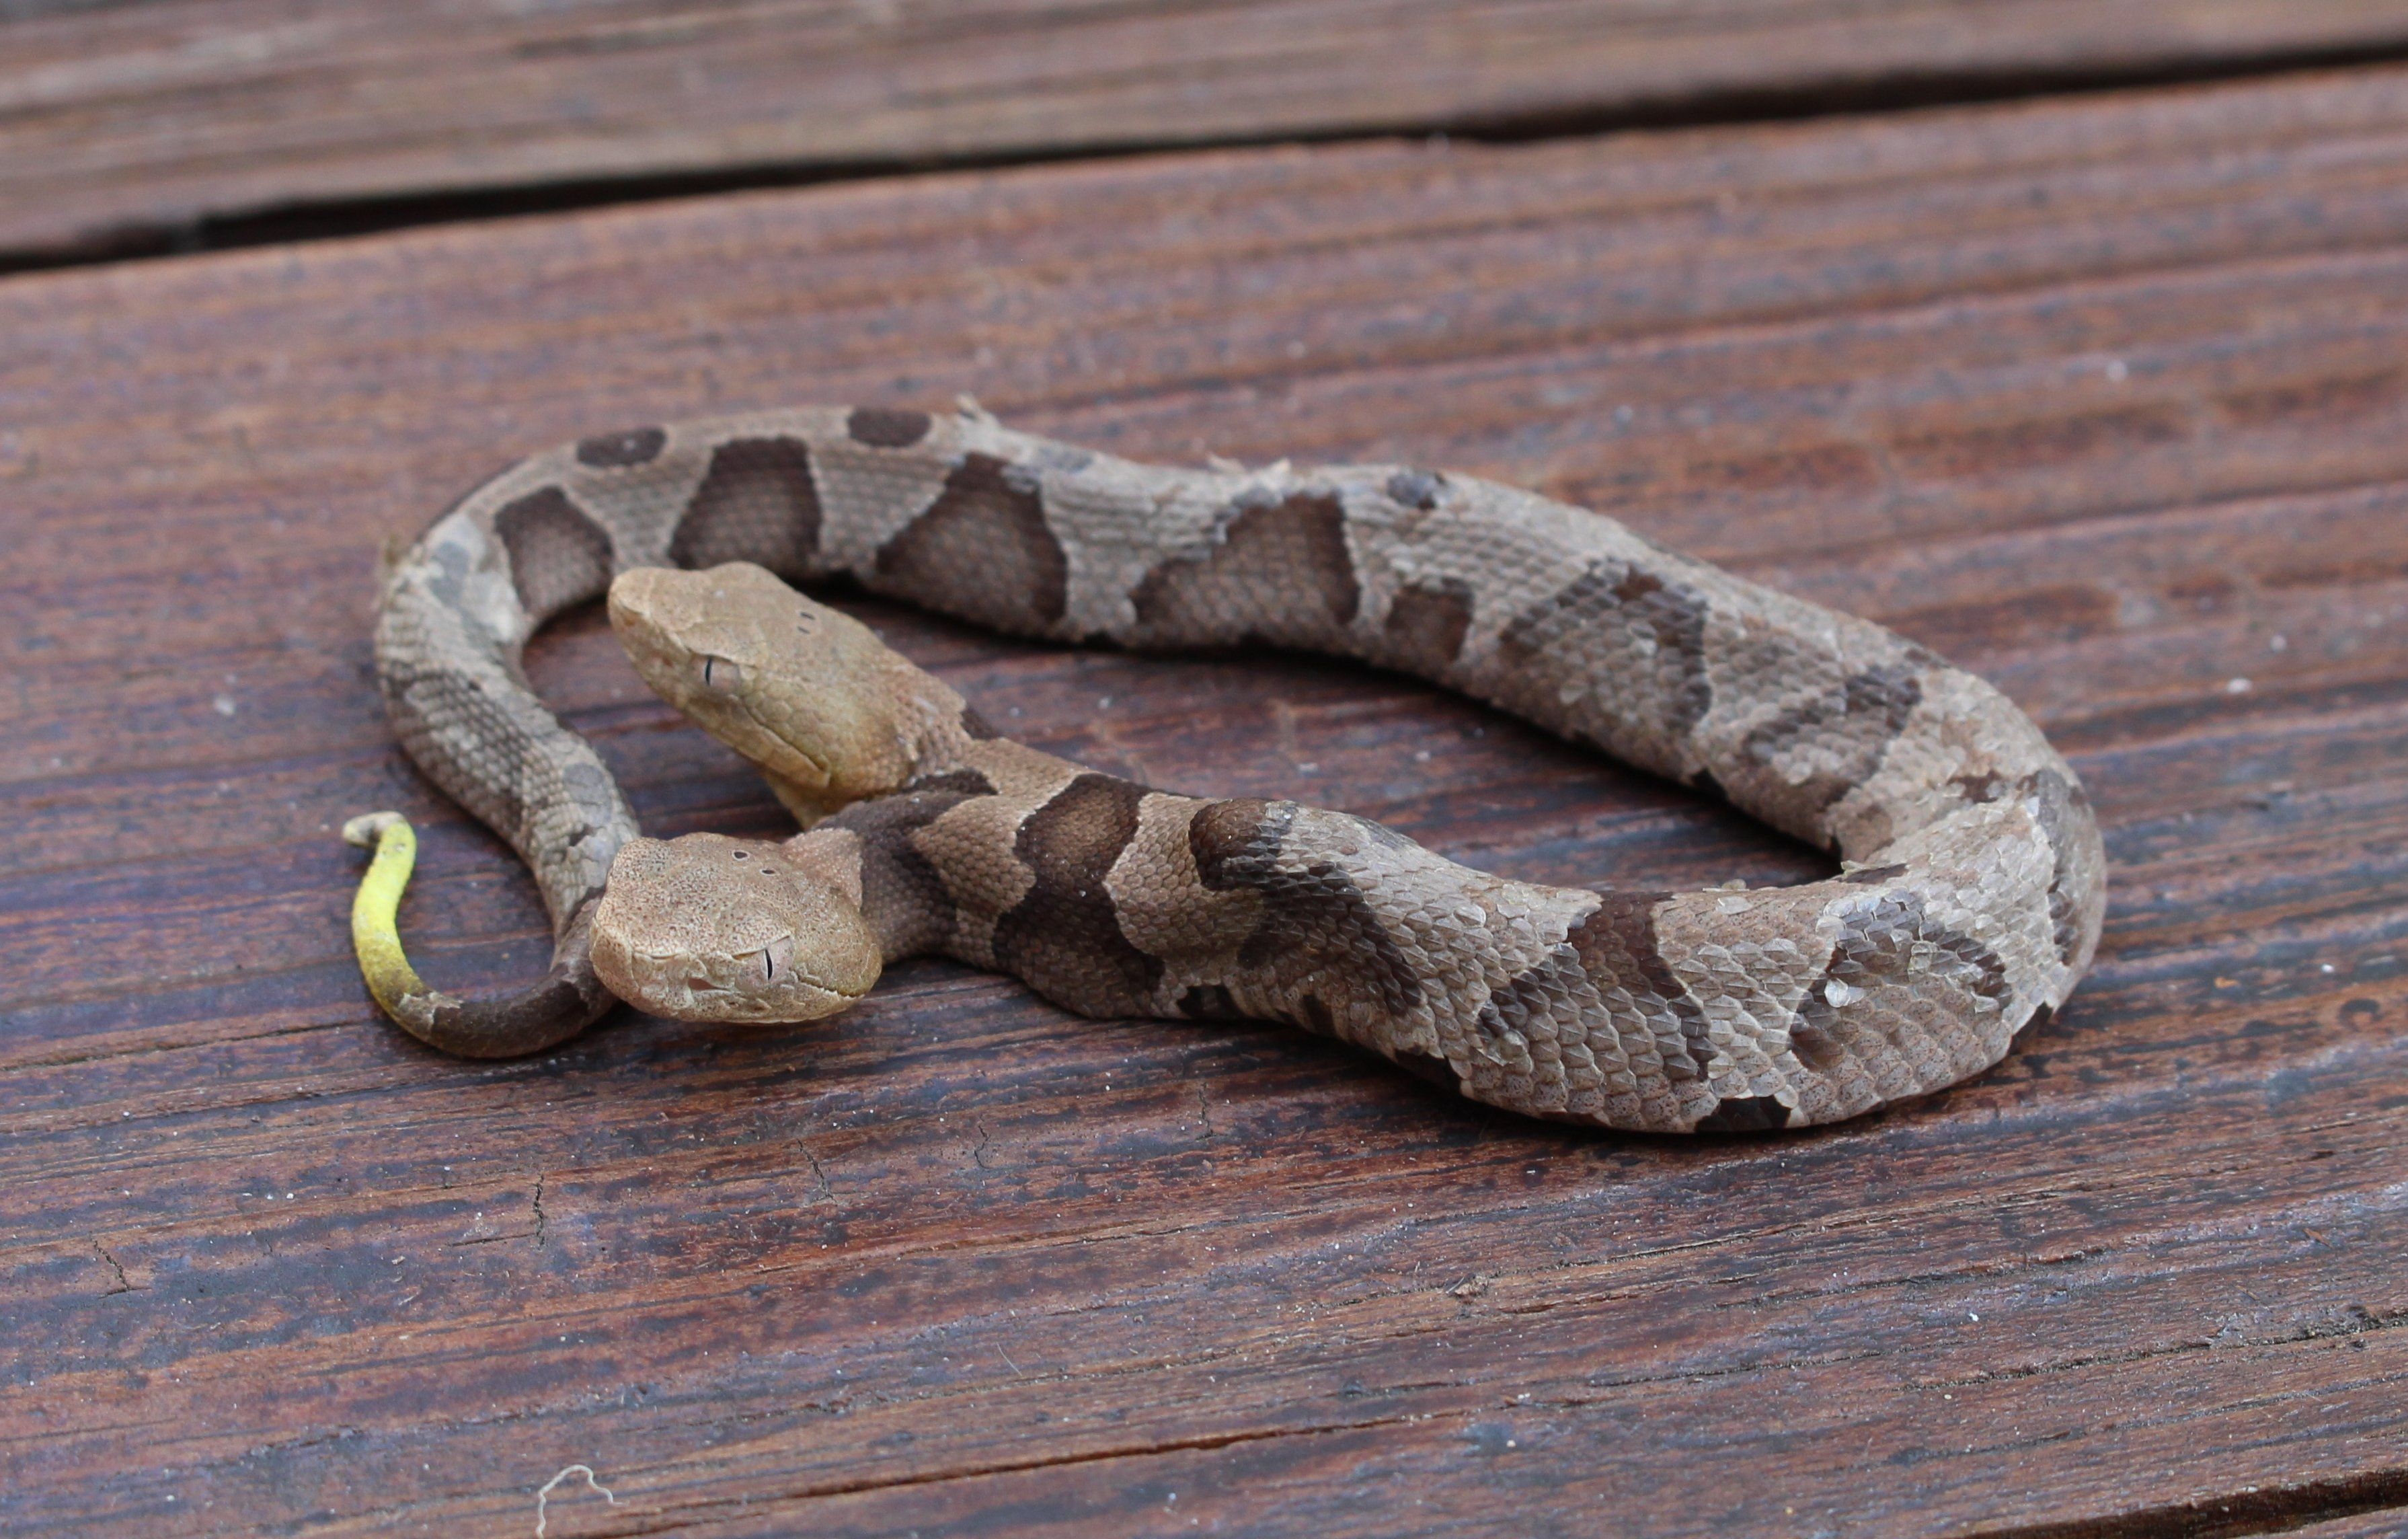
2102	398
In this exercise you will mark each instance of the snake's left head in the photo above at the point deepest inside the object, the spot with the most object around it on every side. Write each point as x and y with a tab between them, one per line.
711	929
808	693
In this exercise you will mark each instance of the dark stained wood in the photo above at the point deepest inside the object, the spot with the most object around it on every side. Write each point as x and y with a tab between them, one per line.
2103	397
131	121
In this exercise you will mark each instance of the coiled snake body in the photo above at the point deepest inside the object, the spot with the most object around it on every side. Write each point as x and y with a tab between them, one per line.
1972	879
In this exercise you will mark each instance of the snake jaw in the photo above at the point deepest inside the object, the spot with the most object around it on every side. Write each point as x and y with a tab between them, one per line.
730	1007
822	773
672	984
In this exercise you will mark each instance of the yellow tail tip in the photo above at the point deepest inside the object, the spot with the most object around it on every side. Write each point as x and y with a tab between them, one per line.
376	937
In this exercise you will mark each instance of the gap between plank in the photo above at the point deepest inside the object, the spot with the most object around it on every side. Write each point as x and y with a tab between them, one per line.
1872	95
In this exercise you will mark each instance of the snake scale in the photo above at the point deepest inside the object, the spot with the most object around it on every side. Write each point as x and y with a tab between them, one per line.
1972	883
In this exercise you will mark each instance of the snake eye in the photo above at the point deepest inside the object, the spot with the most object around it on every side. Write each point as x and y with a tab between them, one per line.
718	673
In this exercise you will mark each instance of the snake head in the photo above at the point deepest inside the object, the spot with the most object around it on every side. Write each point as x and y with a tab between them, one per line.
711	929
808	694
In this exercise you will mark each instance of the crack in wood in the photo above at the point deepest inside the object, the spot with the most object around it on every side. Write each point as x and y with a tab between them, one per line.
2245	1511
118	1271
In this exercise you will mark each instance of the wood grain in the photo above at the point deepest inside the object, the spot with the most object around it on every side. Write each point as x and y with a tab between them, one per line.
129	122
2102	396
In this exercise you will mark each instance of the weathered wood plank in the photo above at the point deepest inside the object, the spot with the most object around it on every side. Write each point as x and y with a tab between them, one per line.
2101	396
132	122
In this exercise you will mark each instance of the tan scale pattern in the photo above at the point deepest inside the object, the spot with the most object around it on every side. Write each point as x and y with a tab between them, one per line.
1974	877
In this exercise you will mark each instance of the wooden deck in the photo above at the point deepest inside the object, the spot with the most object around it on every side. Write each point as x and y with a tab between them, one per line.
2105	395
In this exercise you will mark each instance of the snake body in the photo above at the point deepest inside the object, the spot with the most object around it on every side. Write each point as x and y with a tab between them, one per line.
1973	876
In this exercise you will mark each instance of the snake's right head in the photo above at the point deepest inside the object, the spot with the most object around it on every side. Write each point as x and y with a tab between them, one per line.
806	692
711	929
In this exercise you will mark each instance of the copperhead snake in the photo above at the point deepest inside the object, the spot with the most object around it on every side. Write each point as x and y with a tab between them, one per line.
1972	878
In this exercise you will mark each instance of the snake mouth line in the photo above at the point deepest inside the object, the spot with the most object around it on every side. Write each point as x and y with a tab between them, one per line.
667	984
826	776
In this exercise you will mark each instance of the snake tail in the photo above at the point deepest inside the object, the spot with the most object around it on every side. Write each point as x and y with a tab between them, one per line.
550	1013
